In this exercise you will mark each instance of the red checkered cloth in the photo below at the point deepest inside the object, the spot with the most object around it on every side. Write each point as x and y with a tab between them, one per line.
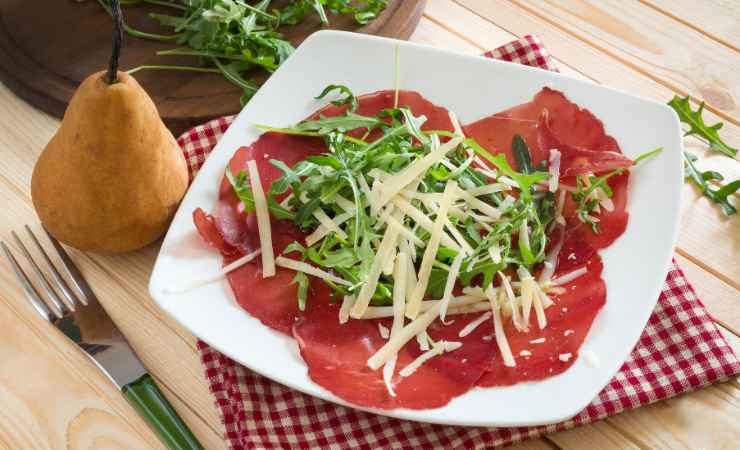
680	350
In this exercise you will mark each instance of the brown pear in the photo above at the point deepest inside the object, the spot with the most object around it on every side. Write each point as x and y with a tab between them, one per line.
113	175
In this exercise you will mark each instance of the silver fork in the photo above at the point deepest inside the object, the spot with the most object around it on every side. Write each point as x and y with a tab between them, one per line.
76	312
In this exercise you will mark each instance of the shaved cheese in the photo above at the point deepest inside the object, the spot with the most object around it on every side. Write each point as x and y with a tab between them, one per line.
480	205
450	284
469	328
188	285
466	248
607	204
369	195
495	252
506	203
422	220
554	169
565	357
487	189
498	328
423	340
439	348
394	344
399	291
508	181
385	333
455	124
509	292
430	252
458	305
388	369
344	203
550	261
539	308
347	303
388	264
300	266
527	293
401	179
328	223
286	200
387	245
263	220
561	203
321	231
537	341
403	231
570	276
410	272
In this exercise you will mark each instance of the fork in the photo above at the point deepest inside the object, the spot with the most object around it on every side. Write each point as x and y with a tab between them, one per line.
78	314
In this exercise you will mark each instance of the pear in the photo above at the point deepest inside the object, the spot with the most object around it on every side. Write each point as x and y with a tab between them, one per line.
113	175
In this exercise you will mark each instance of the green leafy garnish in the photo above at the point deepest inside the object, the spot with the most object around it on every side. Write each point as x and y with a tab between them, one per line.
697	127
301	279
718	195
349	97
233	37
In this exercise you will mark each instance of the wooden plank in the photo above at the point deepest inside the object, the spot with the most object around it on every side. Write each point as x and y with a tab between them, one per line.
654	45
704	234
717	19
53	396
601	435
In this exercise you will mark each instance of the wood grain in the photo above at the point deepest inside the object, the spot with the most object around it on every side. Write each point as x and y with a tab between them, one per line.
88	411
42	74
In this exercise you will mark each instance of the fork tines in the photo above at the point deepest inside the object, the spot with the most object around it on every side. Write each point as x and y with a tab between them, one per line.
58	298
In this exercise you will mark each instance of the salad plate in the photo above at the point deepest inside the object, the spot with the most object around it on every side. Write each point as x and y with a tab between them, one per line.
634	266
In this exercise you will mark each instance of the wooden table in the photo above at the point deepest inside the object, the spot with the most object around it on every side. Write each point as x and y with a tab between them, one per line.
52	397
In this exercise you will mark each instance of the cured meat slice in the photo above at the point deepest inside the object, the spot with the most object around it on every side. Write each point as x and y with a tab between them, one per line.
336	356
570	123
556	347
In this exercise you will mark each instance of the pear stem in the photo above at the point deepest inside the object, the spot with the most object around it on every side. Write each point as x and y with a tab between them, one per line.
117	38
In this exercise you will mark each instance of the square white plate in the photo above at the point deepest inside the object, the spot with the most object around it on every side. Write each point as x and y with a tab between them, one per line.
634	267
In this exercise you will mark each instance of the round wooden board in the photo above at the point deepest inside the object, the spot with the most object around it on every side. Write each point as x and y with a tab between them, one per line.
48	48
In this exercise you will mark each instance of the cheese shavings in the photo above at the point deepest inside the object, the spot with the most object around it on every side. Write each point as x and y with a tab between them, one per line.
436	350
554	169
449	285
347	303
430	253
300	266
198	282
515	317
570	276
400	180
263	220
395	343
469	328
498	328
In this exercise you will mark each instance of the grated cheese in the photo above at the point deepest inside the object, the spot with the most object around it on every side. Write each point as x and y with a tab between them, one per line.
488	189
394	344
527	293
423	340
438	348
400	180
498	328
450	284
300	266
263	220
387	245
554	169
198	282
469	328
570	276
422	220
538	341
347	303
385	333
565	357
321	231
430	252
515	317
480	205
463	244
388	369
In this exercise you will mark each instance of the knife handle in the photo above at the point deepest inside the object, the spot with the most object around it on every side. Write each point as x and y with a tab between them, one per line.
152	405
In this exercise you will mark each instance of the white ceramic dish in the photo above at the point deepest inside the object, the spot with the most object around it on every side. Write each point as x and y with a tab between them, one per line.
634	266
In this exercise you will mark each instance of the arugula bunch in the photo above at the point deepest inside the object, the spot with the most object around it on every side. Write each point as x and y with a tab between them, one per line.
334	184
709	182
233	37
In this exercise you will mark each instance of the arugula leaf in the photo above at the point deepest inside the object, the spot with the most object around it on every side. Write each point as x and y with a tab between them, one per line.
697	126
240	184
349	98
349	121
701	180
525	181
521	154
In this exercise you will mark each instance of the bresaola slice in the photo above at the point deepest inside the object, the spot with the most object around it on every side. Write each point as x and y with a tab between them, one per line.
336	354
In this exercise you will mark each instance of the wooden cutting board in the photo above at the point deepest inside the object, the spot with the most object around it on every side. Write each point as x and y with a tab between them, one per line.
49	47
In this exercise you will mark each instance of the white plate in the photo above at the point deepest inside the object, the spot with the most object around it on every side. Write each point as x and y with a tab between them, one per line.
634	266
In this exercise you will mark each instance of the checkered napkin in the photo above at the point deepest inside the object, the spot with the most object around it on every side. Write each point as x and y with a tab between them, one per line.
680	350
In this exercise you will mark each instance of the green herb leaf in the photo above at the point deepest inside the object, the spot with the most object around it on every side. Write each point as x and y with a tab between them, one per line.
521	154
697	126
303	282
717	195
348	99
